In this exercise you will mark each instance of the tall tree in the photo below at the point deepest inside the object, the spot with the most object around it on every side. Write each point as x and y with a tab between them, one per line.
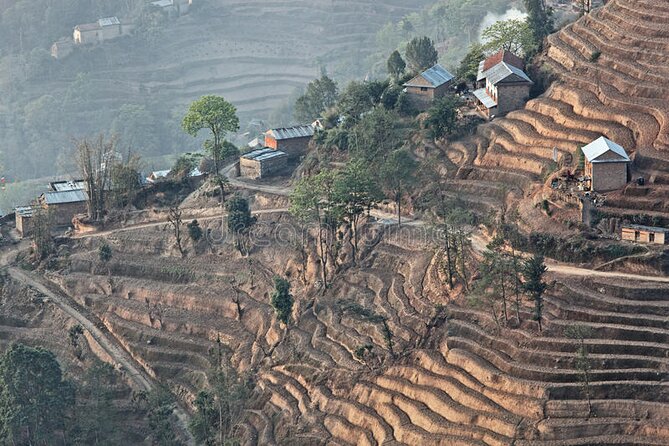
421	54
96	159
281	299
34	398
533	273
539	19
396	65
356	192
215	114
398	176
513	35
443	116
321	94
469	65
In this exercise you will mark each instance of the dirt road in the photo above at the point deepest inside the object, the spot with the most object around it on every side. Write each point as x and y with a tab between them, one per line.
96	329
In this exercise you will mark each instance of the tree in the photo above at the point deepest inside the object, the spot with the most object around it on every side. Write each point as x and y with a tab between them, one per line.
35	400
512	35
396	65
194	231
125	180
174	219
540	20
184	165
215	114
582	360
282	300
398	176
105	255
443	116
469	66
321	94
356	192
240	222
95	159
160	404
354	101
42	224
375	136
421	54
533	273
585	6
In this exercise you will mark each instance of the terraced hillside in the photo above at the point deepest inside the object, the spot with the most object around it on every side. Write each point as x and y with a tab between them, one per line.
610	78
341	375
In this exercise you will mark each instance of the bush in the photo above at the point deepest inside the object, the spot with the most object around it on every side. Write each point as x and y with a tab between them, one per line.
595	56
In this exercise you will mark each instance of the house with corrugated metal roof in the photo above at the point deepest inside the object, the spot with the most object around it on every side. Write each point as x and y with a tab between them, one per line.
64	205
263	163
107	28
429	85
503	85
606	164
294	141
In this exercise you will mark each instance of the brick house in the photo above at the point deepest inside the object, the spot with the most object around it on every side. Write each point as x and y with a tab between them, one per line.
104	29
606	165
428	86
64	205
23	218
645	234
262	163
294	141
502	85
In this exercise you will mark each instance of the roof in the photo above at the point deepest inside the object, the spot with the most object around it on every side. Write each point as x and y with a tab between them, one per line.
507	73
645	228
435	77
483	96
72	196
264	154
160	173
60	186
163	3
109	21
24	211
88	26
602	145
503	56
298	131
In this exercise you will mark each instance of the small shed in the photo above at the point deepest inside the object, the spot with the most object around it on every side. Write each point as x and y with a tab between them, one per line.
645	234
606	164
23	218
294	141
262	163
431	84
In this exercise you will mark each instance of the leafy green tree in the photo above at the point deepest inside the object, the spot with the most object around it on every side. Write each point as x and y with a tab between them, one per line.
443	116
469	66
421	54
240	222
396	65
194	230
375	136
184	165
281	299
533	273
125	181
105	253
540	20
35	400
512	35
398	176
321	94
356	192
354	101
215	114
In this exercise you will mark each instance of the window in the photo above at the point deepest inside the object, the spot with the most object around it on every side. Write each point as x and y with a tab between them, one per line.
423	88
651	237
637	236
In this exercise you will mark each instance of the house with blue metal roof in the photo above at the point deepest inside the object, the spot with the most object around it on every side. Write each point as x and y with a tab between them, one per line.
292	140
429	85
504	86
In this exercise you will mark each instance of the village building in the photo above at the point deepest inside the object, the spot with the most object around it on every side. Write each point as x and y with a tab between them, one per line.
62	48
294	141
173	7
428	86
606	164
502	85
23	218
64	205
104	29
157	175
645	234
262	163
67	185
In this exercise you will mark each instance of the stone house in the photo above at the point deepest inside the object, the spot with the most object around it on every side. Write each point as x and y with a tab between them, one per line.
645	234
62	48
64	205
104	29
23	217
606	164
262	163
428	86
294	141
502	84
